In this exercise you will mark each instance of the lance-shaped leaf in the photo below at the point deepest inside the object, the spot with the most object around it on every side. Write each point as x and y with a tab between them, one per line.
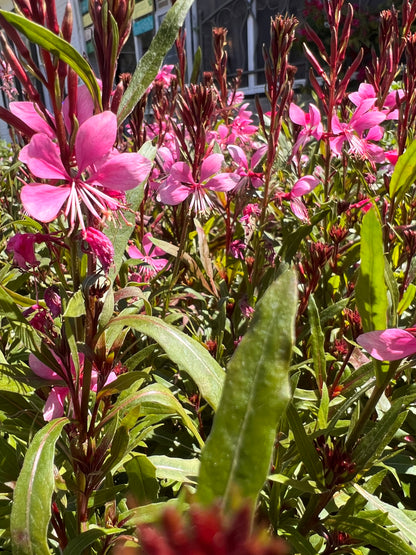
149	64
404	174
370	533
57	46
31	509
154	399
396	516
188	354
371	290
238	451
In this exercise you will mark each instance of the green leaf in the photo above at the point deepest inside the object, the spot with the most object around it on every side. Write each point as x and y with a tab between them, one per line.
317	343
79	543
256	392
305	486
298	542
304	444
407	298
143	485
404	174
173	468
393	290
396	516
197	65
373	443
31	510
371	291
190	356
371	533
150	63
154	399
21	327
57	46
76	306
149	513
119	232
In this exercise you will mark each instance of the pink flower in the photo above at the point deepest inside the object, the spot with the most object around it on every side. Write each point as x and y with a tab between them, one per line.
365	92
54	406
359	131
27	112
150	257
164	77
244	171
22	245
389	344
303	186
98	166
239	129
181	183
392	156
310	123
100	245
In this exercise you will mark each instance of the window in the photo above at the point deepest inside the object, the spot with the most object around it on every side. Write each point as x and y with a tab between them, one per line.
248	24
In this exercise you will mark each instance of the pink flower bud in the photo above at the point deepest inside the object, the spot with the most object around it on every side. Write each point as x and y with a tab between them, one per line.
100	245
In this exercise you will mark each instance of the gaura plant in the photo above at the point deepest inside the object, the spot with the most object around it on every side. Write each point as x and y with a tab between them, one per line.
207	315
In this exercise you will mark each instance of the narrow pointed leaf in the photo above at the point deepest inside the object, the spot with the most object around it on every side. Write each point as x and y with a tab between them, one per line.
396	516
188	354
57	46
238	451
304	444
317	343
150	63
31	509
370	533
404	174
154	399
84	540
371	290
373	443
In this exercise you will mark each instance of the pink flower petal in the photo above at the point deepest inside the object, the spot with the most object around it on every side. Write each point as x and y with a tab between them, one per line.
238	155
389	344
54	406
211	165
43	202
173	193
42	157
27	112
134	252
304	185
299	209
297	115
84	109
258	155
95	139
181	172
222	182
41	370
122	172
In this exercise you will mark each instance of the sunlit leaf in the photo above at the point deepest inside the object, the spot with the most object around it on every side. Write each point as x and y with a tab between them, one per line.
57	46
188	354
238	451
31	510
150	63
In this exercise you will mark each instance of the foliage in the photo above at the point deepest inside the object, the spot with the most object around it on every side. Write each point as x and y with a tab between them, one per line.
207	324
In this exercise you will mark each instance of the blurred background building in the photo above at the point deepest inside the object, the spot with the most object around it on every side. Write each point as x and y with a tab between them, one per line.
247	21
